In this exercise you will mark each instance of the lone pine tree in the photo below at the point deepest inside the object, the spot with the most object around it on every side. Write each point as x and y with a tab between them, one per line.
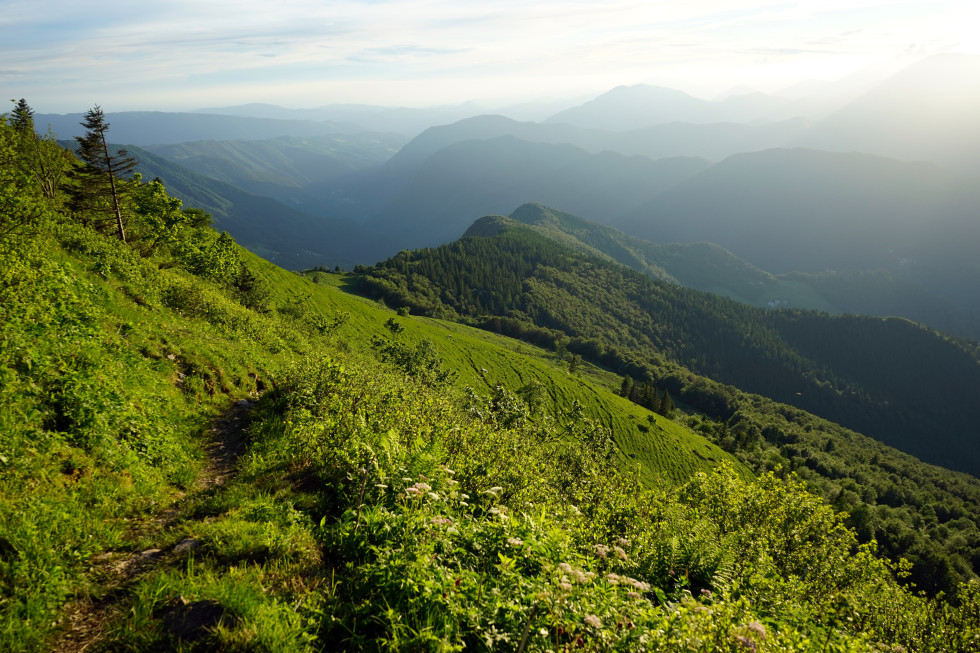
97	187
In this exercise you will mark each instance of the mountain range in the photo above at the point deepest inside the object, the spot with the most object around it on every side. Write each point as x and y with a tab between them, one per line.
840	231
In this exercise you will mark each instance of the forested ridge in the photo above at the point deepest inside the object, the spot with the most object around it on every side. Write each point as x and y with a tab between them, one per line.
897	381
368	501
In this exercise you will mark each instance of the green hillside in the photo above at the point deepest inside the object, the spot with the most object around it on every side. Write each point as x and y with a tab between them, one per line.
908	386
904	384
709	267
702	266
664	450
203	452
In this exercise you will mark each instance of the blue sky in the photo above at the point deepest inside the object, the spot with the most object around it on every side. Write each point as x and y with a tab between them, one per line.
66	55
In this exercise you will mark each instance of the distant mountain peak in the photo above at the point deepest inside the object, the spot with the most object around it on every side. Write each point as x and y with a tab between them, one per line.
642	105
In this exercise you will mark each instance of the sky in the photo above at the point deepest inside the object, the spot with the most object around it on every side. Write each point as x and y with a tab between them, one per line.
65	55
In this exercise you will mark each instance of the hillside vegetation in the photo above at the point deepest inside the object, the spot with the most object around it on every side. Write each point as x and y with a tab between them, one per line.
374	504
892	379
709	267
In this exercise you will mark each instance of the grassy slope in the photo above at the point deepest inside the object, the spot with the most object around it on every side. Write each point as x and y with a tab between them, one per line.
664	450
105	431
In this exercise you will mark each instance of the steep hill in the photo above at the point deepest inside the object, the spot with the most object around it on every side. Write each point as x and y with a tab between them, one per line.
123	363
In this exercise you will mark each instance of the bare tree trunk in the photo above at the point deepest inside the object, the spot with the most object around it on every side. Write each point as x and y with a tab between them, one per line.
115	195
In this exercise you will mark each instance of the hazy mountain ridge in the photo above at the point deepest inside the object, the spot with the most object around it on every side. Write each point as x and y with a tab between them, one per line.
810	211
712	141
283	234
161	127
465	180
925	112
293	170
359	117
626	108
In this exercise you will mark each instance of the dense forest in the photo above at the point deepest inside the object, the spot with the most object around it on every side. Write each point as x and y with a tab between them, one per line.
901	383
201	451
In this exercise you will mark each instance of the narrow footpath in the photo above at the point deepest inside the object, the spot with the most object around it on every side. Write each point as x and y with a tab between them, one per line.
114	574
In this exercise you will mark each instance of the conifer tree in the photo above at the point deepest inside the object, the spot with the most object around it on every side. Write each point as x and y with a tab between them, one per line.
22	117
667	405
626	388
98	178
42	157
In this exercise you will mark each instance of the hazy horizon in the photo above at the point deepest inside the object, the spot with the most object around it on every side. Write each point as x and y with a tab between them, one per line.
176	55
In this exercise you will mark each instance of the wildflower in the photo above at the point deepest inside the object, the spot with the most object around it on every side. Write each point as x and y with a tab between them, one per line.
706	594
565	567
405	479
579	577
567	587
543	632
757	628
441	521
515	541
623	542
601	550
496	488
620	553
433	496
448	471
612	579
746	643
639	584
593	621
381	486
633	595
464	496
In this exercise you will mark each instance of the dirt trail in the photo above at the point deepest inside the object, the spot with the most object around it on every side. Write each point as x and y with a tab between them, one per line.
117	572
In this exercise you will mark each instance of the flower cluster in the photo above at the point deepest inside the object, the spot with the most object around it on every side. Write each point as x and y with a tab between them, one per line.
419	489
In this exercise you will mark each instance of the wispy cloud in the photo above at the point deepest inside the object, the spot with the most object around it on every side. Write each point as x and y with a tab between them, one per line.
65	51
